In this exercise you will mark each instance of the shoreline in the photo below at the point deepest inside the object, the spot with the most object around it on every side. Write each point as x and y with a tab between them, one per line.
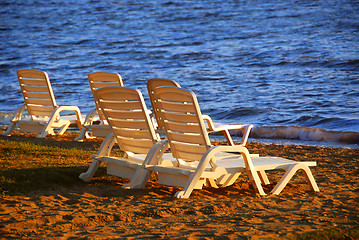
280	135
102	210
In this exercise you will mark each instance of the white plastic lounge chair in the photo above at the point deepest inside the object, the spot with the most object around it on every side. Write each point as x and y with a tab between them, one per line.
95	120
197	161
40	103
211	126
132	128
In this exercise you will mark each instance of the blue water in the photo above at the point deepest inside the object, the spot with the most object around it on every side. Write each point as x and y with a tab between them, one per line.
289	67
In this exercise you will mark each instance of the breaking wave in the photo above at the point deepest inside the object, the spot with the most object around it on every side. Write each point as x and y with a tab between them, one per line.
304	134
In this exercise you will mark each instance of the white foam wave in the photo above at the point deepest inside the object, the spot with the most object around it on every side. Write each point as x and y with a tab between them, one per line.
305	134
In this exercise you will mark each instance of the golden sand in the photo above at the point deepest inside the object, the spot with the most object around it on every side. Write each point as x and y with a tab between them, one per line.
105	211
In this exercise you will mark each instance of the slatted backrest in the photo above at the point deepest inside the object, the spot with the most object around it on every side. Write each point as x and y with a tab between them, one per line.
37	92
126	113
103	79
183	122
151	85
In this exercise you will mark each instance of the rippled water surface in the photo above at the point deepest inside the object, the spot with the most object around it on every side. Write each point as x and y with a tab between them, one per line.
270	63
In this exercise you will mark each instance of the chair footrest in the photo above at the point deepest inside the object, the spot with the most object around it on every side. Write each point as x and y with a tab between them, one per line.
269	163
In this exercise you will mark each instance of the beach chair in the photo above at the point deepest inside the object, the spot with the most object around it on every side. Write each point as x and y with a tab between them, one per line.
211	126
132	129
95	120
44	114
199	163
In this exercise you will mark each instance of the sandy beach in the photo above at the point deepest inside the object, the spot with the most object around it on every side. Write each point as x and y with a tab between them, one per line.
102	210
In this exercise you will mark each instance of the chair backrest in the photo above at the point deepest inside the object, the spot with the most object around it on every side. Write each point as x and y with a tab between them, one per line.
103	79
183	123
151	85
37	92
126	112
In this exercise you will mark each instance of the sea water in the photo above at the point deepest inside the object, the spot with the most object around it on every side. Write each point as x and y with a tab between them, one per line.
289	67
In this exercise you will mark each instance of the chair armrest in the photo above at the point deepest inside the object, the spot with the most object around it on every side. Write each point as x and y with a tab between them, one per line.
56	114
70	108
225	129
209	122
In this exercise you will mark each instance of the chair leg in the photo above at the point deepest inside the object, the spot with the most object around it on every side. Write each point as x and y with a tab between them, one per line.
186	192
82	135
285	179
139	180
310	179
87	176
17	116
46	130
42	135
83	130
9	130
263	176
142	175
290	173
211	182
255	179
228	179
195	176
104	150
106	146
63	128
